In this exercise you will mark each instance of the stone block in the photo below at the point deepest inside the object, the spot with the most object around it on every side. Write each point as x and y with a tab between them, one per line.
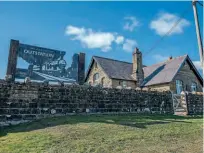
35	111
13	117
2	118
29	117
15	105
14	111
4	111
33	105
45	111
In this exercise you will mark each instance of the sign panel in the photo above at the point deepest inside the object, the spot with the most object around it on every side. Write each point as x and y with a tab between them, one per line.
46	64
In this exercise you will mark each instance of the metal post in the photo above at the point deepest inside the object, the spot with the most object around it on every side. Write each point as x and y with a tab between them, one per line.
200	46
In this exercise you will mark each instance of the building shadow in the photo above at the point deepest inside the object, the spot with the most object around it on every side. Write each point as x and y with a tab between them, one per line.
131	120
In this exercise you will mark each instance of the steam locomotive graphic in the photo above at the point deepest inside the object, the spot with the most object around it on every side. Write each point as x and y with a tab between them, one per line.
46	64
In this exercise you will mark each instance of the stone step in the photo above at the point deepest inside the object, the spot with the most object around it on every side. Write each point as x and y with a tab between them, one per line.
180	113
180	110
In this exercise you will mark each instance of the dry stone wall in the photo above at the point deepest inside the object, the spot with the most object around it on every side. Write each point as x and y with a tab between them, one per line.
21	102
194	104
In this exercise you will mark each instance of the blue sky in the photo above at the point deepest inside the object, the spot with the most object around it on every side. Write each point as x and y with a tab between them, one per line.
108	29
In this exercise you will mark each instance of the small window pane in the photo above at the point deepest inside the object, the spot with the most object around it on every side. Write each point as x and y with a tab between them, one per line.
95	77
179	86
124	83
193	87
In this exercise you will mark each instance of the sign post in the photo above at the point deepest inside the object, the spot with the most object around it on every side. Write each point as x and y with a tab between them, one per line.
44	64
12	59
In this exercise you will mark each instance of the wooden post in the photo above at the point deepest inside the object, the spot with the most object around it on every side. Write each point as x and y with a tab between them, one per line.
12	59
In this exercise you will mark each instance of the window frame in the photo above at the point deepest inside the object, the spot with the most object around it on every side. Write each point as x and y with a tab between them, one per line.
179	86
124	84
95	78
193	85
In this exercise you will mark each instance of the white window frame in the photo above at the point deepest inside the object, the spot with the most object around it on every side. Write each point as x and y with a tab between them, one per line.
124	84
193	87
179	86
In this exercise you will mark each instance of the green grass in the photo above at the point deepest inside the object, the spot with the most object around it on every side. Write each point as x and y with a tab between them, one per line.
105	134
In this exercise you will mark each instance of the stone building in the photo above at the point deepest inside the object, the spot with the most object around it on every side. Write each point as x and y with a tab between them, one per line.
175	74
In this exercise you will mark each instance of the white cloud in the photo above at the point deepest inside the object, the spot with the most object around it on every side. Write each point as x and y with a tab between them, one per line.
91	39
119	39
101	40
160	58
166	21
129	45
71	30
131	23
98	40
197	65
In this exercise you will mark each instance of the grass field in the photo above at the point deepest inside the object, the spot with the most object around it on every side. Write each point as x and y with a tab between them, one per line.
105	134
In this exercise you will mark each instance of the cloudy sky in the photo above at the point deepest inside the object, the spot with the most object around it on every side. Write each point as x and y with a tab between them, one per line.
108	29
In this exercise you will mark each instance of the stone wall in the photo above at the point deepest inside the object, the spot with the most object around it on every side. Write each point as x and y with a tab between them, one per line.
194	103
129	84
20	102
160	87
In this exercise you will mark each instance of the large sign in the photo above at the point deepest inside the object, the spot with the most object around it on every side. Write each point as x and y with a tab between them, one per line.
44	64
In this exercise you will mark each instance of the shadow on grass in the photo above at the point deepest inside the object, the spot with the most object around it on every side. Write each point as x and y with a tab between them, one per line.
131	120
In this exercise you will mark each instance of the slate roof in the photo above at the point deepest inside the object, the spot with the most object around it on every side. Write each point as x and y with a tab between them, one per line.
162	72
159	73
114	68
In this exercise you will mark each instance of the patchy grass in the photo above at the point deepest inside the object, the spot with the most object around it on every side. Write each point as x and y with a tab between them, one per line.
105	134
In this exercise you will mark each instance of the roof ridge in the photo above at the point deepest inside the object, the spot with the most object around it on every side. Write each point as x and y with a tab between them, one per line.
165	61
113	59
144	66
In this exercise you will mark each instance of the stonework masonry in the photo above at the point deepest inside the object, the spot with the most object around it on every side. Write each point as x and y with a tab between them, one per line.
107	82
194	104
27	102
117	82
161	87
20	102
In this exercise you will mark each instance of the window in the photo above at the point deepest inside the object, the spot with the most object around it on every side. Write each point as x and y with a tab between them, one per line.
193	87
95	77
124	83
179	86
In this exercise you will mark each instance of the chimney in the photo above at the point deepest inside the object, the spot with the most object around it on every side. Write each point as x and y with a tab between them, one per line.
137	72
170	58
